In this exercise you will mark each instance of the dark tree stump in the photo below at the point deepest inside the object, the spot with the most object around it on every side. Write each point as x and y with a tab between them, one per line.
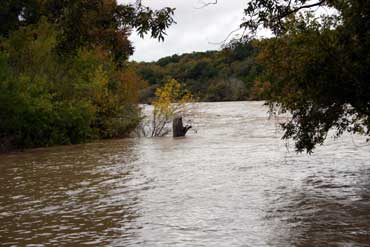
178	128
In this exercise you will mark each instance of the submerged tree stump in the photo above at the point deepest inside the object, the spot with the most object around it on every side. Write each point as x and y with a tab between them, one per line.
178	128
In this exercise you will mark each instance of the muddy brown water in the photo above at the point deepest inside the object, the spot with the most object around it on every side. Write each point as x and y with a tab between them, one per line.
233	183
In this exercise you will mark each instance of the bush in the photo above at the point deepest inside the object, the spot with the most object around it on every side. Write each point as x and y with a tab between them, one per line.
46	99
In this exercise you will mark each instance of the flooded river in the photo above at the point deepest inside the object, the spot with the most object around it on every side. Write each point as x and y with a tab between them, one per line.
231	183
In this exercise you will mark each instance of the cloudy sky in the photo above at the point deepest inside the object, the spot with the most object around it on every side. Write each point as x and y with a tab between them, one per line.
196	29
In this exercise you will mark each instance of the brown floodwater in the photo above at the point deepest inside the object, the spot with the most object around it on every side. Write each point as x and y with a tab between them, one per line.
234	182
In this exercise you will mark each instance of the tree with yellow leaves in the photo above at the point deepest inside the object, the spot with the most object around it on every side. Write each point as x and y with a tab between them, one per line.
172	100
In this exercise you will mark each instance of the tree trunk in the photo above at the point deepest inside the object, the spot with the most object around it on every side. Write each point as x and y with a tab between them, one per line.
178	128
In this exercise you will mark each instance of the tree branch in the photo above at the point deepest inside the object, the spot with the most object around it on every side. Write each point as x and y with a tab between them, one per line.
227	37
207	4
299	8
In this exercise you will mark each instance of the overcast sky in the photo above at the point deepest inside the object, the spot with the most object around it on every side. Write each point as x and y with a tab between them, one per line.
196	29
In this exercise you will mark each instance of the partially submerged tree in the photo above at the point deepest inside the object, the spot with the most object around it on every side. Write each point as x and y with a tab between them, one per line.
178	128
172	100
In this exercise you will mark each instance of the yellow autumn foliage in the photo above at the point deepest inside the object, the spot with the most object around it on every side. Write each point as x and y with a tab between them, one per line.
172	99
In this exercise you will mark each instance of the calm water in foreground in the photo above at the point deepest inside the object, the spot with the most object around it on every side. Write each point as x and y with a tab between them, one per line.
233	183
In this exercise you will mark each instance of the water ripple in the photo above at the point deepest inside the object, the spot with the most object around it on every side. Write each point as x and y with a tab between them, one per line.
233	183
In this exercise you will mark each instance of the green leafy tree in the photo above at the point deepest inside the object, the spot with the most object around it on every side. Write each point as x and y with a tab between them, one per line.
46	100
88	23
64	76
317	67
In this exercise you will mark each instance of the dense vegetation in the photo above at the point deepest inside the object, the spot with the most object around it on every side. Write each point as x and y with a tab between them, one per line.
64	76
223	75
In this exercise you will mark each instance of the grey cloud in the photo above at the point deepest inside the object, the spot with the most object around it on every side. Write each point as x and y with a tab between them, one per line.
196	29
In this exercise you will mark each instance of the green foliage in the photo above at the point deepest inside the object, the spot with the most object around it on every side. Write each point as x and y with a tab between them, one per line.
47	100
225	90
64	76
88	23
223	75
318	69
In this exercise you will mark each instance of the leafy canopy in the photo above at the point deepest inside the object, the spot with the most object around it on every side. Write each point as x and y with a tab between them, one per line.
88	23
46	101
64	76
317	67
225	75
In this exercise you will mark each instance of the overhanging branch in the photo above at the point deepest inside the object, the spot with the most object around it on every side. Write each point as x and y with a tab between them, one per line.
207	4
308	6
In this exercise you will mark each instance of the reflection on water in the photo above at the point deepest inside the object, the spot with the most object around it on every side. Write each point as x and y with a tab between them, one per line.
233	183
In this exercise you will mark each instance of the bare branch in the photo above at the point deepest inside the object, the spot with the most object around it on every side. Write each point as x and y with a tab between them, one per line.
207	4
299	8
227	37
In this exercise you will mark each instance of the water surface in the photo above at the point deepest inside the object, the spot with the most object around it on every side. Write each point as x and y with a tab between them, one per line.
233	183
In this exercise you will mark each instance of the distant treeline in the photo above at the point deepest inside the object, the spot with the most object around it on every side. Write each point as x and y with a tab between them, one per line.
226	75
